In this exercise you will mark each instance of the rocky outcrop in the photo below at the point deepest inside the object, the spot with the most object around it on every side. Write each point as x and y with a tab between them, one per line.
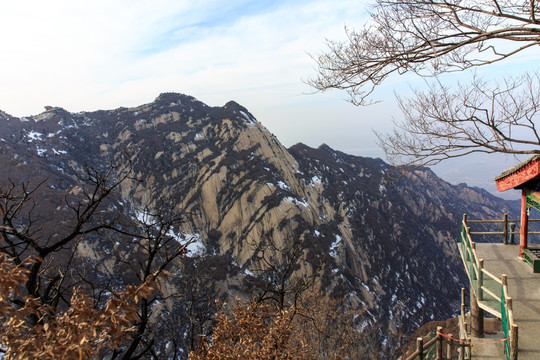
386	243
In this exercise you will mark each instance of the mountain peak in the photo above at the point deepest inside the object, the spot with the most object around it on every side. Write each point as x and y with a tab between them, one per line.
375	239
234	105
172	96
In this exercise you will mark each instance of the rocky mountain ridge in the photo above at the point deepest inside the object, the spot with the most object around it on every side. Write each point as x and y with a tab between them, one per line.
386	243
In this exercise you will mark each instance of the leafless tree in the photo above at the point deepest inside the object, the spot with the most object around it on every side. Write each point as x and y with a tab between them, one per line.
430	37
278	275
446	122
79	332
153	247
139	249
24	235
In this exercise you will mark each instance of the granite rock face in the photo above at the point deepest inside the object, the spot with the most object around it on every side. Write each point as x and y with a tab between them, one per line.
387	243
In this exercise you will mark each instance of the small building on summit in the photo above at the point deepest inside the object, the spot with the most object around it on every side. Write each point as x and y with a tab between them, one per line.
504	282
525	176
504	279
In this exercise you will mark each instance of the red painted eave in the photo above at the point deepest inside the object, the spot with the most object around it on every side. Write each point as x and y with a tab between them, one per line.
519	174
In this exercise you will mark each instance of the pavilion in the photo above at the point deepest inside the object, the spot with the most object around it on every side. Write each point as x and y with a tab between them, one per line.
525	176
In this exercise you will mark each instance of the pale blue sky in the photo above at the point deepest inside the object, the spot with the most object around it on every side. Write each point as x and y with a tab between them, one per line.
103	54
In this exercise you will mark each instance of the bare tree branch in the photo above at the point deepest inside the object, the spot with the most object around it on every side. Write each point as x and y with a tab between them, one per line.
427	38
430	37
445	122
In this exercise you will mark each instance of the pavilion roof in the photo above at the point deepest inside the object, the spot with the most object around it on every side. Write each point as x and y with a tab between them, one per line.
516	176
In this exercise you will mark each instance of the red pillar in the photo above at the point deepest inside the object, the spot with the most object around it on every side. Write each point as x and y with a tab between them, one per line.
524	224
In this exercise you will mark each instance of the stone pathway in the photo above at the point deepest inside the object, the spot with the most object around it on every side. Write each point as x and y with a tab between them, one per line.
524	289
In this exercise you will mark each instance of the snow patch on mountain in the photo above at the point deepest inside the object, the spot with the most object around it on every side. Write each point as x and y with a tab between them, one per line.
248	118
34	135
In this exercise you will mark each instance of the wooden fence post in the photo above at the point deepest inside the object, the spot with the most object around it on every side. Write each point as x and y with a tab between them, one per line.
462	347
514	342
439	343
480	282
450	347
465	322
420	347
477	316
505	229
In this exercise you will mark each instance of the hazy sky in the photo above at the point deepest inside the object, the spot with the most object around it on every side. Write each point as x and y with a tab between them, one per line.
103	54
89	55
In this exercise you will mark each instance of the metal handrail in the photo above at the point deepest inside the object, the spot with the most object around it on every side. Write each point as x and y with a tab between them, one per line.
473	266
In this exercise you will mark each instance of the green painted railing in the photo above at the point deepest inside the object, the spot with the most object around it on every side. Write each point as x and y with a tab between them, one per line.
469	258
490	291
508	325
505	326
